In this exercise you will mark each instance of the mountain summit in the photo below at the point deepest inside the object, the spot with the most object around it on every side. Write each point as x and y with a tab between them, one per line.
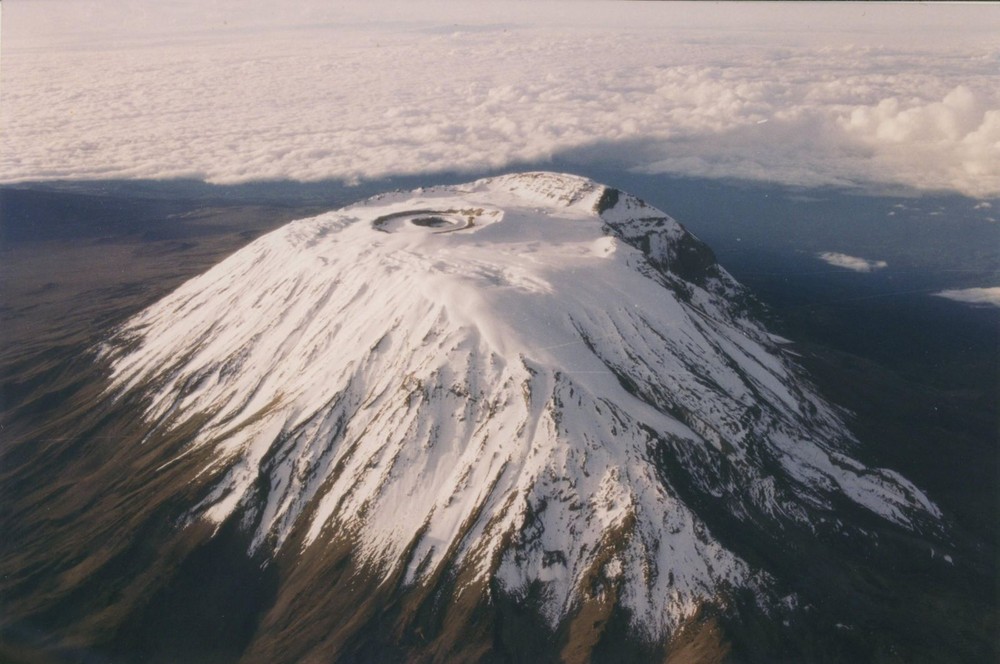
531	388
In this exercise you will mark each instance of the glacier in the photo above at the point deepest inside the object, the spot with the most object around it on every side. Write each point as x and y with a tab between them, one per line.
532	379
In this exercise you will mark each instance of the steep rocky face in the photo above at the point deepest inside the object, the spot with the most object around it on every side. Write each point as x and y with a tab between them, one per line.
525	417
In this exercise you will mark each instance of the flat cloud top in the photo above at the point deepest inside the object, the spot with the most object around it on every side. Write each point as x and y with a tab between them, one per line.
230	92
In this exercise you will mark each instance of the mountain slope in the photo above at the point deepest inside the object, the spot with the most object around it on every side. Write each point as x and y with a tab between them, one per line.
530	387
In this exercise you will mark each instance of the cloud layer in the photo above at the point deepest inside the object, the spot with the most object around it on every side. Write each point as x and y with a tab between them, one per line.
235	93
851	262
989	296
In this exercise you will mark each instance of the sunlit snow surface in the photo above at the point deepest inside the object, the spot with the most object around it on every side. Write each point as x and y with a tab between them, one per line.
508	377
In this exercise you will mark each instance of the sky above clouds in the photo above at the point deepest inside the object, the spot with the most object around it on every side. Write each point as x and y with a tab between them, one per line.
229	92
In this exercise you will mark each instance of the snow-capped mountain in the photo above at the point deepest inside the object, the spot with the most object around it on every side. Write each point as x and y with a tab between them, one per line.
532	385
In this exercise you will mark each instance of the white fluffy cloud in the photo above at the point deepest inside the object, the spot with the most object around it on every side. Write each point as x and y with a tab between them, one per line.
308	91
851	262
989	296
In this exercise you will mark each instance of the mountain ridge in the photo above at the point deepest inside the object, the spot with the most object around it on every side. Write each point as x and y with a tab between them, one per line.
546	381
